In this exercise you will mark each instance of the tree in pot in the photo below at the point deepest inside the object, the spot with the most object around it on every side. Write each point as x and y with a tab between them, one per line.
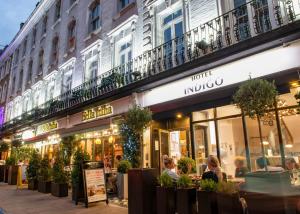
165	195
76	175
59	185
32	170
186	165
186	195
4	147
122	179
44	176
207	198
228	198
136	121
12	170
255	97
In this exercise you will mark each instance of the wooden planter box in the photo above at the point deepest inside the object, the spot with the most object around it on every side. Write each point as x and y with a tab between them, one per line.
59	190
229	203
44	186
165	200
122	183
207	202
32	184
12	175
77	193
6	174
2	172
186	201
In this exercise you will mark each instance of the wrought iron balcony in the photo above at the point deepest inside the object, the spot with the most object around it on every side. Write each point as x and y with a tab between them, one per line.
236	26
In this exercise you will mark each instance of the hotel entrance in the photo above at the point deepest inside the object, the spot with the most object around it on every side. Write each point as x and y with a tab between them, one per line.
170	137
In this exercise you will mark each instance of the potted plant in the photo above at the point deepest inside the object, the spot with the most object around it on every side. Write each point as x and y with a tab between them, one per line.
255	97
297	97
59	185
186	165
186	196
228	198
44	176
165	195
32	170
76	174
12	170
207	198
122	179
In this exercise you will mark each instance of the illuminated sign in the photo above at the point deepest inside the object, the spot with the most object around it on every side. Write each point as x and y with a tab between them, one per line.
97	112
47	127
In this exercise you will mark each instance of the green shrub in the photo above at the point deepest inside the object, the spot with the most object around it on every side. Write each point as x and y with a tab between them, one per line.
186	165
165	180
45	170
124	166
11	161
4	147
78	158
227	187
59	175
16	143
33	166
208	185
184	181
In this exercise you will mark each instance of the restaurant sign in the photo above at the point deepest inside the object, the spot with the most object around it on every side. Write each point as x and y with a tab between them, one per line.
46	127
97	112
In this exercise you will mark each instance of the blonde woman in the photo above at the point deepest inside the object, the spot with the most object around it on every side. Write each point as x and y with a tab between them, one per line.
168	166
214	170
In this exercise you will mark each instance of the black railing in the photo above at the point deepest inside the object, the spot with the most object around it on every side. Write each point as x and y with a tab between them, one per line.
244	22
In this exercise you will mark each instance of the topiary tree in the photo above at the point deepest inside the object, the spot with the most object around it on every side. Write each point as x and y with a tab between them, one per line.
68	145
4	147
78	159
16	144
33	166
59	175
124	166
297	96
136	120
44	172
255	97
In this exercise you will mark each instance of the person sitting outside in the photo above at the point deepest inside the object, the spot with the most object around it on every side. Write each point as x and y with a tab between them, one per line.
240	170
214	170
168	166
263	164
291	164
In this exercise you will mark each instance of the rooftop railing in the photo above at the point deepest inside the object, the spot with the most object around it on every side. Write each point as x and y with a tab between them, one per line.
244	22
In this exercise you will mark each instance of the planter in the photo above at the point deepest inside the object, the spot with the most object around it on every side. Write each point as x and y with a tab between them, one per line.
165	200
2	172
186	201
32	184
59	190
141	191
12	175
6	174
77	192
229	203
207	202
44	186
122	183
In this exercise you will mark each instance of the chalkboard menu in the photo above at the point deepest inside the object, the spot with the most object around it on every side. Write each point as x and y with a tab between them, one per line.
94	182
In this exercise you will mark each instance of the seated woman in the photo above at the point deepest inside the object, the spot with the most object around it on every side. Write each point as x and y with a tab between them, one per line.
214	170
168	166
291	164
240	170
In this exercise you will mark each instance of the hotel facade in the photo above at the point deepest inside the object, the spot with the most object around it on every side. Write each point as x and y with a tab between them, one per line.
76	67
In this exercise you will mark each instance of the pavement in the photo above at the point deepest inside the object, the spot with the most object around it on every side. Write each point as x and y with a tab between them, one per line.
23	201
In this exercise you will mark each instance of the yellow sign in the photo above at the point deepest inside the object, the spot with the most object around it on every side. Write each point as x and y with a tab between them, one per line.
97	112
47	127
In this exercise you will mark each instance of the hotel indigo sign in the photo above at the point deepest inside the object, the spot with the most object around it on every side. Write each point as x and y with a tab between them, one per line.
97	112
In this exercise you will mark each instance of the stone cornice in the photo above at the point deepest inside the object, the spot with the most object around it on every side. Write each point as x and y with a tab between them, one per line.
33	19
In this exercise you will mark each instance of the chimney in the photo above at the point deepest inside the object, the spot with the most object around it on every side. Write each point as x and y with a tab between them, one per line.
21	25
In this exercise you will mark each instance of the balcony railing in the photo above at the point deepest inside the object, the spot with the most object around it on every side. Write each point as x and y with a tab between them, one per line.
247	21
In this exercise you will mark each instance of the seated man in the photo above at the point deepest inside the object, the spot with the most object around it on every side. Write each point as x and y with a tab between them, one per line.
263	163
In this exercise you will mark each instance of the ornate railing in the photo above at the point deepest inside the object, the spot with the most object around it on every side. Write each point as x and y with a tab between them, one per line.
247	21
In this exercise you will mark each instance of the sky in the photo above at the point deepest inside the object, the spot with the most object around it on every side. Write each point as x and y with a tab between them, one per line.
13	12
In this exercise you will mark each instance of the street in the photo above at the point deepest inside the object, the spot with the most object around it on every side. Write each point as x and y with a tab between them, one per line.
23	201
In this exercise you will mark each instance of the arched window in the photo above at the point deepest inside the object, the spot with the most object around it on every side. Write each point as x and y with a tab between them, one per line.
94	19
72	34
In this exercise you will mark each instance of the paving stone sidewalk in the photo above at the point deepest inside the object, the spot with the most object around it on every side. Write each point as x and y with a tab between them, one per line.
23	201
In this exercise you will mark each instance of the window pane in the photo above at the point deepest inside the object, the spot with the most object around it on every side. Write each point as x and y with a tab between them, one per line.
228	110
204	142
203	115
177	14
167	19
232	146
178	29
